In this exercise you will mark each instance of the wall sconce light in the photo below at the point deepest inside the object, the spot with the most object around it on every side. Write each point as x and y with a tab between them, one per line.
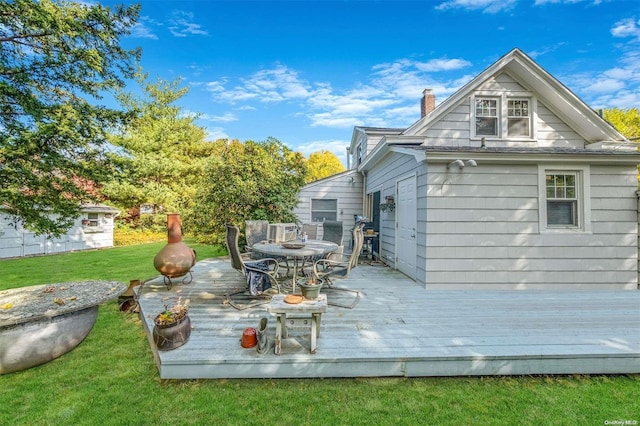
458	163
461	164
352	180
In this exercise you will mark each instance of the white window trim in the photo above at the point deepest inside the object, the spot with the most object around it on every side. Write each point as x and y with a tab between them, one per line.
311	199
584	198
507	117
503	119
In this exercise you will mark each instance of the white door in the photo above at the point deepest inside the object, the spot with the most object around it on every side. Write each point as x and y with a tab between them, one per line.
406	217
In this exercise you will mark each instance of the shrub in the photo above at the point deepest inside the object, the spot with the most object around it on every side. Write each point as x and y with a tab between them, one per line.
129	237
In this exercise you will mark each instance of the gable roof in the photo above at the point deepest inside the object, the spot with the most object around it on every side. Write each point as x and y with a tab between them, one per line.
330	178
372	131
556	96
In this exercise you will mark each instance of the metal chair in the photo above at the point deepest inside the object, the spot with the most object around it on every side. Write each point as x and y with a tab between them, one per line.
255	231
332	230
326	269
263	267
311	229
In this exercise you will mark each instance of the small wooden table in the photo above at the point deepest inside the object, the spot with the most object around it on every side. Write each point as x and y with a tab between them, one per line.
308	312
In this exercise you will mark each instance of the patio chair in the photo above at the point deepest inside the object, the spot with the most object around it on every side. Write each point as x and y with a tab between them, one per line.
311	229
255	231
326	269
332	230
255	271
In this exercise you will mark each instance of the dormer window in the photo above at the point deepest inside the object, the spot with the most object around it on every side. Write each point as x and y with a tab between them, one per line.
502	116
486	117
518	118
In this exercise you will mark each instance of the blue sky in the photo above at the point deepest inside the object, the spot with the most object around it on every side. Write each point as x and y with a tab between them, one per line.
307	72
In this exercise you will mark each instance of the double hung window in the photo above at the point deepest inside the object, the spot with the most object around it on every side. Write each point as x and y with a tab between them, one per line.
564	199
486	117
518	117
503	116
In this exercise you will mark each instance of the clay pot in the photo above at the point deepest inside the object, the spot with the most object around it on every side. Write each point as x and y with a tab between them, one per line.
176	258
249	338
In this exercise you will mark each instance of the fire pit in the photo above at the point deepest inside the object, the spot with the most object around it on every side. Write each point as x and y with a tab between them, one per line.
41	323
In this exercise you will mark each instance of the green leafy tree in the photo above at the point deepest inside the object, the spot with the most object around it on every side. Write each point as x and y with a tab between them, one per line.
56	57
250	180
322	164
626	122
162	153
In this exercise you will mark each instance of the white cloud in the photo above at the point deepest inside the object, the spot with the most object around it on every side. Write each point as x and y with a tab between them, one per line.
338	147
487	6
141	30
627	27
436	65
181	25
224	118
389	97
278	84
215	133
605	85
543	2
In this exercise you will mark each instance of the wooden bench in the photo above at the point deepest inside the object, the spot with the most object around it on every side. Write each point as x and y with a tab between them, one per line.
304	314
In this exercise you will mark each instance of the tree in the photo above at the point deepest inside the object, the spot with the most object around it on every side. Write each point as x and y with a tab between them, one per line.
55	56
250	180
322	164
162	152
626	122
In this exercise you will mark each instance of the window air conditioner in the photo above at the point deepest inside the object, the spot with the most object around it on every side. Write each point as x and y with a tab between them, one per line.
280	232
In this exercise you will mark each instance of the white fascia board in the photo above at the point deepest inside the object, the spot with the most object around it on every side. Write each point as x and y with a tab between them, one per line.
385	146
531	158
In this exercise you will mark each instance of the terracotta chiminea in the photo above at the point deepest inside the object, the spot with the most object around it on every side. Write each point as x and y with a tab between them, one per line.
176	258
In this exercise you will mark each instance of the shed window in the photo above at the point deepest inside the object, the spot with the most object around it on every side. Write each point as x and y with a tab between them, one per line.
93	219
324	209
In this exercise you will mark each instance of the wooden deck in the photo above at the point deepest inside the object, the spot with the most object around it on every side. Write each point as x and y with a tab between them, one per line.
401	329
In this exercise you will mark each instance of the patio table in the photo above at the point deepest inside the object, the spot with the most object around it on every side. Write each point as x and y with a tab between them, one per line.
311	249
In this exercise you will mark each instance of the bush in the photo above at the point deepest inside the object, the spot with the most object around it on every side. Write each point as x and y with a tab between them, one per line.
129	237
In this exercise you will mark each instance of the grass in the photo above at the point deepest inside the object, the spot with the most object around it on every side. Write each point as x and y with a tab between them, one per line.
110	378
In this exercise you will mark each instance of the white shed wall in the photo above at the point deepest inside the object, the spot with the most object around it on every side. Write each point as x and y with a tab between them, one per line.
16	241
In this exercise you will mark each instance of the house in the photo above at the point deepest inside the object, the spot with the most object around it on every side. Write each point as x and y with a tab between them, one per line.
512	182
93	229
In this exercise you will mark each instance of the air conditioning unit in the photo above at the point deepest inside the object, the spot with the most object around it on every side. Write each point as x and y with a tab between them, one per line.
281	232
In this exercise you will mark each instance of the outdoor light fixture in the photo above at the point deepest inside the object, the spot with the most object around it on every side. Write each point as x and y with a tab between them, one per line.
458	163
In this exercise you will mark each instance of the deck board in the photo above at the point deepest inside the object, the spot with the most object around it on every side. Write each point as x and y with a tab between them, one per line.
400	329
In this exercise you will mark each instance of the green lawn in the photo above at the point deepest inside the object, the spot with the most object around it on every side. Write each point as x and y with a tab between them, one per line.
110	378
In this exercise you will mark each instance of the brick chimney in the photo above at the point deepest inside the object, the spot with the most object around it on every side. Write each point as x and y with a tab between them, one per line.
428	102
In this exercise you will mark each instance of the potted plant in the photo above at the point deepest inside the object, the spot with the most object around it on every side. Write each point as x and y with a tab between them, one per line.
310	288
172	326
